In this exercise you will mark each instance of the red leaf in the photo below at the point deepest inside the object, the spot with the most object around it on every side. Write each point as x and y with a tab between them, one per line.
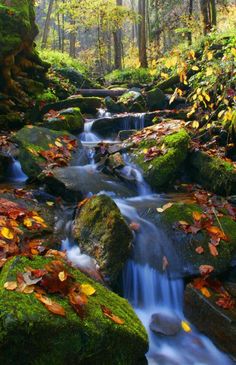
206	269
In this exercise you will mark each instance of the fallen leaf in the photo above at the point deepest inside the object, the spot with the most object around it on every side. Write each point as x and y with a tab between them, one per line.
197	216
206	269
165	207
213	249
216	231
108	313
199	250
7	233
205	292
28	222
62	276
185	326
10	285
134	226
87	289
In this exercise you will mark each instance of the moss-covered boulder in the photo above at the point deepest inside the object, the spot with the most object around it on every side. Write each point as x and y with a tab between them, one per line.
70	120
156	99
132	101
5	162
102	232
185	244
162	169
112	106
32	142
31	335
77	78
213	173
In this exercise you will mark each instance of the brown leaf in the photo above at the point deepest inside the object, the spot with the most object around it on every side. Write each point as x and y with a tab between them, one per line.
206	269
78	300
216	231
199	250
213	250
52	306
108	313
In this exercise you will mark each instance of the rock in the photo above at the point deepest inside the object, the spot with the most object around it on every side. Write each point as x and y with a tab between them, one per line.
217	323
156	99
115	161
70	120
31	141
102	232
74	182
69	340
112	106
77	78
111	126
11	121
213	173
132	101
5	161
162	170
185	244
31	87
164	324
123	135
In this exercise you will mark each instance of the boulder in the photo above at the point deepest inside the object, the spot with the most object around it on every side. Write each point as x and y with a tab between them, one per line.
162	169
70	120
37	336
213	173
102	232
123	135
165	324
217	323
77	78
75	182
132	101
32	141
185	244
5	162
112	106
156	99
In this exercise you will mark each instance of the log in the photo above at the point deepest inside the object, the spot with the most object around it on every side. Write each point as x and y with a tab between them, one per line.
103	93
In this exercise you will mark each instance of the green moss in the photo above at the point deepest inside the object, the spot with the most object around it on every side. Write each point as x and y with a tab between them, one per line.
163	169
189	242
103	233
36	336
213	173
70	120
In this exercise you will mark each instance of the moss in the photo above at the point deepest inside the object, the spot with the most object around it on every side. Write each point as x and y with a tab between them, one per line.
35	139
163	169
213	173
103	233
35	336
70	120
187	243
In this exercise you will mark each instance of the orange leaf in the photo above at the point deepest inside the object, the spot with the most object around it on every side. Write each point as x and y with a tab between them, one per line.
108	313
197	216
213	250
216	231
205	292
199	250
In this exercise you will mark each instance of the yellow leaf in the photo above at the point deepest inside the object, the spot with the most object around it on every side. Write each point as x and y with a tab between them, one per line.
185	326
27	222
209	56
209	71
206	96
87	289
58	144
62	275
164	75
195	68
165	207
10	285
221	113
205	292
7	233
233	51
145	150
195	124
38	219
50	204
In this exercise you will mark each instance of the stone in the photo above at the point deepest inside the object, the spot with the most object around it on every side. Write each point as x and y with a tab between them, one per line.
70	120
123	135
28	328
77	78
156	99
102	233
165	324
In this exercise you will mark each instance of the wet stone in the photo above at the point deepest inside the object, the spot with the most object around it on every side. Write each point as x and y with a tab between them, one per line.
165	324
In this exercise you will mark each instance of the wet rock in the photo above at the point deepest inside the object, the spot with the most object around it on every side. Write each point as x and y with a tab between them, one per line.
75	182
165	324
70	120
156	99
102	232
217	323
116	161
5	161
132	101
9	121
94	340
213	173
31	141
185	244
76	78
162	169
112	106
123	135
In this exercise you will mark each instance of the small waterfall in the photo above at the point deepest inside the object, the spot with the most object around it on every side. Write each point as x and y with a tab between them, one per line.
103	113
88	135
134	121
15	173
153	292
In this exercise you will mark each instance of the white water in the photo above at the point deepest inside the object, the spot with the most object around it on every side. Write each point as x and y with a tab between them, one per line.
15	172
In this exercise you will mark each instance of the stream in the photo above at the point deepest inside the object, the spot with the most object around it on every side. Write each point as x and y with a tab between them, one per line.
149	291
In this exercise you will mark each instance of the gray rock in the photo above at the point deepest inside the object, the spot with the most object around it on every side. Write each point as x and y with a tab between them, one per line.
165	324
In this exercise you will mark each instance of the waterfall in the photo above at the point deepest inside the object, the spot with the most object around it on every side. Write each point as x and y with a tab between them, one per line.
15	173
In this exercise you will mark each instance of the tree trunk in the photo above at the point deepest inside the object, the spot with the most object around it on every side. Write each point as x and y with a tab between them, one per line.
142	35
213	13
190	17
204	4
118	43
47	24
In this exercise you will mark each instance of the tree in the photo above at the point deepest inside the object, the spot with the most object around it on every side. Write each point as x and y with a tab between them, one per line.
142	34
209	14
118	43
47	24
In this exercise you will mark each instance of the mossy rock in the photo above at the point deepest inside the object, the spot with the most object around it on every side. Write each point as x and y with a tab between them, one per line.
31	335
5	162
77	78
213	173
31	87
113	106
12	120
132	101
102	232
33	140
186	244
156	99
70	120
163	169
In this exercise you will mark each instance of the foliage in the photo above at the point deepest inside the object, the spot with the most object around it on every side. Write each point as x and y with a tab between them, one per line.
130	75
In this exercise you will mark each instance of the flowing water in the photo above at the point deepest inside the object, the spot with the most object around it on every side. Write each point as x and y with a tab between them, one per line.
15	173
149	291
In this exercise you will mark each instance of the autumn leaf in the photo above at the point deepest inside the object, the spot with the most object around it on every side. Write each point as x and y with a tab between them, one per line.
205	292
134	226
199	250
7	233
216	231
197	216
10	285
52	306
62	276
185	326
213	250
28	222
165	207
226	301
108	313
206	269
87	289
78	300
